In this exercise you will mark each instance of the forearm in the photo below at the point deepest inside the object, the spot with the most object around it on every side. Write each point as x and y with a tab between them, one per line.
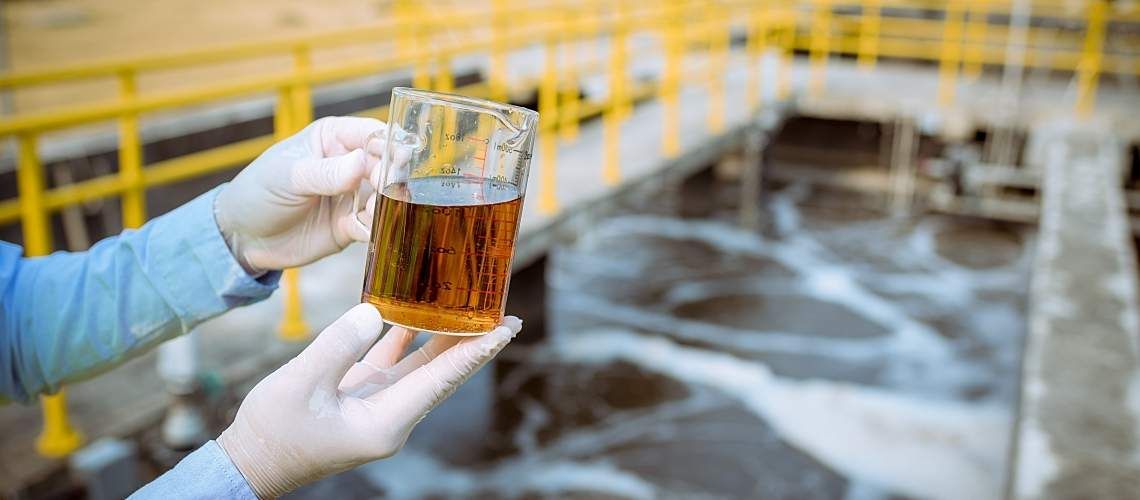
206	473
70	315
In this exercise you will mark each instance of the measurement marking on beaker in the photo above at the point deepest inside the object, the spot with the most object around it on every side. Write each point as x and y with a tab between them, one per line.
481	154
472	290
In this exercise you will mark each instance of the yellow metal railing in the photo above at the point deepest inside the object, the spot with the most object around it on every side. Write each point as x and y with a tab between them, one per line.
427	42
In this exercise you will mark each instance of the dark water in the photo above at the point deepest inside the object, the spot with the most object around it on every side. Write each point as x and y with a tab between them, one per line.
836	354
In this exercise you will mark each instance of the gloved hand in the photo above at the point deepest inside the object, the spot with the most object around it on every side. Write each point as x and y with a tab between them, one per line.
296	426
294	203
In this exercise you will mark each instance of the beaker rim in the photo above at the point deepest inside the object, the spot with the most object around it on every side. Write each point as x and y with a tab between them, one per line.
448	98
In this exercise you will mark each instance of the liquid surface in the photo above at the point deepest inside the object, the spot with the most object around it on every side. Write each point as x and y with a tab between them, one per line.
441	253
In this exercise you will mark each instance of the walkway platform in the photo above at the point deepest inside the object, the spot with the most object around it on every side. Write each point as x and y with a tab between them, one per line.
1079	424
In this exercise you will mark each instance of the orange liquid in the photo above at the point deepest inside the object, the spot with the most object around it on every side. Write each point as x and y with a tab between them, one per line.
440	258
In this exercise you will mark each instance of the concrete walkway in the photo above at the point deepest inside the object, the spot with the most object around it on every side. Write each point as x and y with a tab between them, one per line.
1079	424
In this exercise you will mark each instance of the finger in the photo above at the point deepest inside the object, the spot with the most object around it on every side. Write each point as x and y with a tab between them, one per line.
420	391
362	381
396	166
329	176
390	348
341	134
378	361
326	360
438	344
357	223
370	207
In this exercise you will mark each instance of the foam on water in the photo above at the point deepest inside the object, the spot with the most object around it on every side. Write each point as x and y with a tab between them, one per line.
913	432
916	446
414	474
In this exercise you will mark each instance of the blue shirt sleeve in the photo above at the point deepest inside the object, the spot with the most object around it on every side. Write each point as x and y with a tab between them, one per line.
206	473
69	316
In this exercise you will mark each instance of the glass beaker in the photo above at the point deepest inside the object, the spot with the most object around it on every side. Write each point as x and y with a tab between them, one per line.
449	198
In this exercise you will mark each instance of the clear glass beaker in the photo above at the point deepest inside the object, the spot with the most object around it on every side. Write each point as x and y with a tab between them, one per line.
450	193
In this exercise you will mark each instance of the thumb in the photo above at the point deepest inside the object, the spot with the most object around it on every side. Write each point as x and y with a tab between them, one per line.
420	391
333	352
329	176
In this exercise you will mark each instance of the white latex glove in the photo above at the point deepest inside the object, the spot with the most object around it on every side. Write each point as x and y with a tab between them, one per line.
297	425
294	203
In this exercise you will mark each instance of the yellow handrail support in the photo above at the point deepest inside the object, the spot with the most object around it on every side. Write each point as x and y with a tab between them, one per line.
410	29
615	111
669	90
547	133
569	112
498	76
293	327
719	35
976	35
787	54
951	53
820	46
869	35
301	96
130	157
757	45
58	438
1088	70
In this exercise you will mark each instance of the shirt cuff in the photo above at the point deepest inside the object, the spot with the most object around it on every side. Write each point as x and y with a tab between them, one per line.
200	265
206	473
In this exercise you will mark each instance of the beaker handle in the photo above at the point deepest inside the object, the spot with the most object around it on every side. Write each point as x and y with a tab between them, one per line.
373	146
356	209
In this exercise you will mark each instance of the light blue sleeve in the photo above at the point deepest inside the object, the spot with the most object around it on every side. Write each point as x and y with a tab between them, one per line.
69	316
206	473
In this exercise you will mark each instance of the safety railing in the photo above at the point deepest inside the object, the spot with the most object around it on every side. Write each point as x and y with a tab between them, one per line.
699	34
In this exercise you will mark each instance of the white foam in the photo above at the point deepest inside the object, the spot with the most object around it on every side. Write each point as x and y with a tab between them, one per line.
911	445
414	474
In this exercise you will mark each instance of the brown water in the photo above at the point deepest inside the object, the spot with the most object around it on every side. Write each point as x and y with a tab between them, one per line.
441	253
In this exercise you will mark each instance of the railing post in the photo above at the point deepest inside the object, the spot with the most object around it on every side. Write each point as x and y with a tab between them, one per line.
869	35
670	79
1088	70
616	108
444	81
718	36
547	123
976	36
820	46
951	53
302	96
410	35
757	44
787	54
500	25
130	156
285	122
58	438
570	111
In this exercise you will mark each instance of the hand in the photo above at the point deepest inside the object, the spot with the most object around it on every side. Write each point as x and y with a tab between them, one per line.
324	413
294	203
